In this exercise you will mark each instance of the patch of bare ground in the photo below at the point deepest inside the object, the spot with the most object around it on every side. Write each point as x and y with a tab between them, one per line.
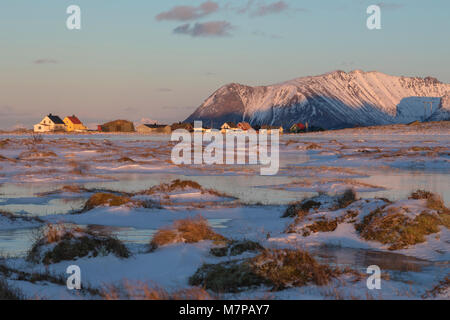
189	230
275	268
58	242
145	291
390	226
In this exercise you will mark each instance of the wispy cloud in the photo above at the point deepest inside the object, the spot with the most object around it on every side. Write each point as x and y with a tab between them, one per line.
271	8
207	29
258	9
188	13
45	61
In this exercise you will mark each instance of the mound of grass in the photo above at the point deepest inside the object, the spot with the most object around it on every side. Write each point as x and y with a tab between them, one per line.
189	230
313	146
106	200
103	199
174	186
126	159
8	293
346	199
301	208
434	201
60	243
235	248
36	154
399	231
227	277
279	269
286	268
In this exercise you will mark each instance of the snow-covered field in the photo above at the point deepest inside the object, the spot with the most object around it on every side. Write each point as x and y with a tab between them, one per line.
49	181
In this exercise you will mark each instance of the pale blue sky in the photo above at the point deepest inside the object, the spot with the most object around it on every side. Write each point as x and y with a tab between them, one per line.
126	63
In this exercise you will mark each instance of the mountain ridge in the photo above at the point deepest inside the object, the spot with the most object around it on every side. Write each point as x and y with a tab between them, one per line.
332	100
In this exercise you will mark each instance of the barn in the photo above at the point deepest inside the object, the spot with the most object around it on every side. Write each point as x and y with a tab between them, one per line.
118	126
154	128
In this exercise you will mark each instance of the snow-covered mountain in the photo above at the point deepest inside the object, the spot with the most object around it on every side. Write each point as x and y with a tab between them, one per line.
333	100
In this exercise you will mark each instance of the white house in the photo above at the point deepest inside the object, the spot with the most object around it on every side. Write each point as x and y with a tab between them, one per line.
50	123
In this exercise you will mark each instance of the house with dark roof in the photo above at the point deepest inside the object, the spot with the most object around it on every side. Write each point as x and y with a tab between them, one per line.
229	127
50	123
73	124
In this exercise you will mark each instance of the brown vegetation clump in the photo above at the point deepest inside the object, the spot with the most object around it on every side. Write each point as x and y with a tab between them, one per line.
313	146
189	230
346	199
126	159
434	201
144	291
301	208
174	186
394	228
106	200
276	268
71	243
78	168
235	248
36	154
290	268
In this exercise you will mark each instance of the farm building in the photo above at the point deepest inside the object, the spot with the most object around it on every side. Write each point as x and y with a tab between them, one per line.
50	123
298	127
268	129
73	124
154	128
118	126
229	126
244	126
185	126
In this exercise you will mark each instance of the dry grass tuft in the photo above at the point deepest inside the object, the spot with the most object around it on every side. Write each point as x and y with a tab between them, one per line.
346	199
286	268
144	291
394	228
70	243
106	200
276	268
189	230
313	146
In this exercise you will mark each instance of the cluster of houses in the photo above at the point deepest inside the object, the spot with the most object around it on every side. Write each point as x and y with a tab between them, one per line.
53	123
